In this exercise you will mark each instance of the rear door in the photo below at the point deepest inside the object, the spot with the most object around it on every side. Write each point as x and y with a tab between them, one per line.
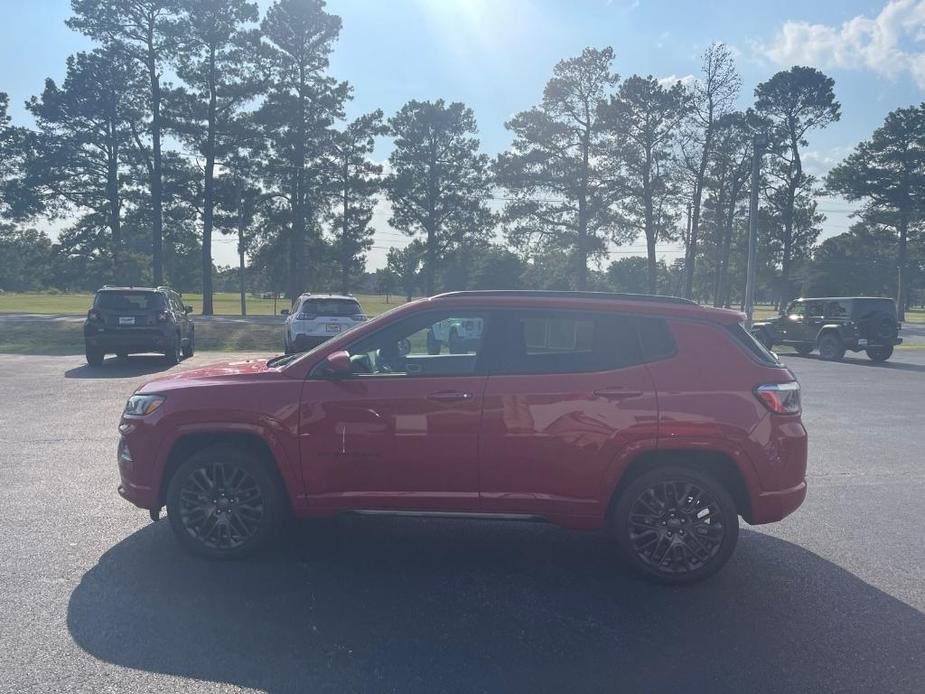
567	395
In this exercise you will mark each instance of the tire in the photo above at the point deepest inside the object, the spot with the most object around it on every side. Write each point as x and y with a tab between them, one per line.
190	347
689	516
831	347
803	349
94	357
173	352
879	326
433	344
879	352
211	516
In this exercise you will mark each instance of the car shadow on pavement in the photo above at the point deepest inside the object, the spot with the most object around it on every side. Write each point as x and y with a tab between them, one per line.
861	361
113	367
397	604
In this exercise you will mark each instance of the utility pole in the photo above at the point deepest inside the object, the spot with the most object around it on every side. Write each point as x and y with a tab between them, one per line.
759	142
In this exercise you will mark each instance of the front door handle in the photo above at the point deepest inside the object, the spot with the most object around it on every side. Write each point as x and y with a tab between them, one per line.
449	395
617	393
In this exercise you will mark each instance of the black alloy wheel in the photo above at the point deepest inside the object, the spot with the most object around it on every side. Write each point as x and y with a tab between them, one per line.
879	352
174	351
676	525
222	503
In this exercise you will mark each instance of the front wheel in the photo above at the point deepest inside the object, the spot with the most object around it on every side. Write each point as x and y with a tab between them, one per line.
223	503
190	347
173	352
675	525
831	347
94	357
879	352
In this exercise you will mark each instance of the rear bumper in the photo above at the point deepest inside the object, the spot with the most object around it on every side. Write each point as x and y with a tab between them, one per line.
768	507
857	344
126	342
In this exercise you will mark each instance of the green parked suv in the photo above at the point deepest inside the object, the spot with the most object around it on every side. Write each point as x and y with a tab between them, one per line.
128	320
834	325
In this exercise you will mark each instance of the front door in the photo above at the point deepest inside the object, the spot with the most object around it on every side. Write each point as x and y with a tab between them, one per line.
567	396
401	432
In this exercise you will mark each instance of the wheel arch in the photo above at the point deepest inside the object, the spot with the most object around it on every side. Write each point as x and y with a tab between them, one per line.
718	464
191	443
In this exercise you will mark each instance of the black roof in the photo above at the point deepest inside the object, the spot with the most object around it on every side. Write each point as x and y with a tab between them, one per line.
844	298
604	296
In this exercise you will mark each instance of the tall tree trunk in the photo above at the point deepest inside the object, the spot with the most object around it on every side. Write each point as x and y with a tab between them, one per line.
115	203
787	250
431	262
650	230
722	284
297	238
241	269
901	263
157	202
208	202
345	256
690	263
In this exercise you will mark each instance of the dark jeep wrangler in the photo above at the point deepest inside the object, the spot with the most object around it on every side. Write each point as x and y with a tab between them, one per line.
834	325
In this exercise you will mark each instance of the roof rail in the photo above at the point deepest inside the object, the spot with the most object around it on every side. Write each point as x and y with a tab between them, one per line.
604	296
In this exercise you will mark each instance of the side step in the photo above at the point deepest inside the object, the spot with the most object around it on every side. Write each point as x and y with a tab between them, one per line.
466	515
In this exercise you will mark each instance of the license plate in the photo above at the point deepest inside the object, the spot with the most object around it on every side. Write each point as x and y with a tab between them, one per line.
862	341
126	320
332	327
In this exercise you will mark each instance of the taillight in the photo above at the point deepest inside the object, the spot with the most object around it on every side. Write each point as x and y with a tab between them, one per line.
358	317
162	317
93	314
780	398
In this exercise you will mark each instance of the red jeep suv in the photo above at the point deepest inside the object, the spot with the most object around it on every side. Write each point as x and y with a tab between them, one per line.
653	417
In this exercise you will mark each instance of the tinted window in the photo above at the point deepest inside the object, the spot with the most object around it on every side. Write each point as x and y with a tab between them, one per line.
129	301
330	307
748	341
422	345
533	342
656	338
837	309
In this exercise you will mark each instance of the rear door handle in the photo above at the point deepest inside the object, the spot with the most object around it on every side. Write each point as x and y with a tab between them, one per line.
449	395
617	393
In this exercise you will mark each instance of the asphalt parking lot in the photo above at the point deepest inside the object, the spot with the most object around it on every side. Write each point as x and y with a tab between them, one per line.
94	597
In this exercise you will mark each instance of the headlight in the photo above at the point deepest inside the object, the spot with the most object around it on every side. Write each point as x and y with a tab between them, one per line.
140	405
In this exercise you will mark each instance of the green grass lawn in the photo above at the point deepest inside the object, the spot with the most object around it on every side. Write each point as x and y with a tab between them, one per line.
224	303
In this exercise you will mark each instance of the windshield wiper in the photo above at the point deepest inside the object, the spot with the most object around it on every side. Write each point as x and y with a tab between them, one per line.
282	359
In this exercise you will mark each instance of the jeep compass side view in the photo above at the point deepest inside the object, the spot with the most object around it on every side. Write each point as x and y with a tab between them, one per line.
654	418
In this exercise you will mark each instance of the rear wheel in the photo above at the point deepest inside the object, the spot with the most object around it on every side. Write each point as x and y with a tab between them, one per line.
803	349
223	503
676	525
879	352
94	357
831	347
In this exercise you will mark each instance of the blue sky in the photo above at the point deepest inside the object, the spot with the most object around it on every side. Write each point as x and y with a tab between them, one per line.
496	55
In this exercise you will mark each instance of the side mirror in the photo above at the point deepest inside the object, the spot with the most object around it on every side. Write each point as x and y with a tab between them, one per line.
284	312
338	363
188	309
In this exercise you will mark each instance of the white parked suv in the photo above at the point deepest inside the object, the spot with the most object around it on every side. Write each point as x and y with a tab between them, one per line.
319	317
460	335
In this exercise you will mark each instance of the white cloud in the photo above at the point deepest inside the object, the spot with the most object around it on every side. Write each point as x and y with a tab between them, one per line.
671	80
891	44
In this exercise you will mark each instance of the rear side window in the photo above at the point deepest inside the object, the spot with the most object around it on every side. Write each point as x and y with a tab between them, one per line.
538	342
656	338
129	301
330	307
751	345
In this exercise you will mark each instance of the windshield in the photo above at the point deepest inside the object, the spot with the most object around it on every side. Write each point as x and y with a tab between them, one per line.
129	301
330	307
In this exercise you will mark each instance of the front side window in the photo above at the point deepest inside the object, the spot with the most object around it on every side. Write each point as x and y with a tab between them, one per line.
426	344
536	342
